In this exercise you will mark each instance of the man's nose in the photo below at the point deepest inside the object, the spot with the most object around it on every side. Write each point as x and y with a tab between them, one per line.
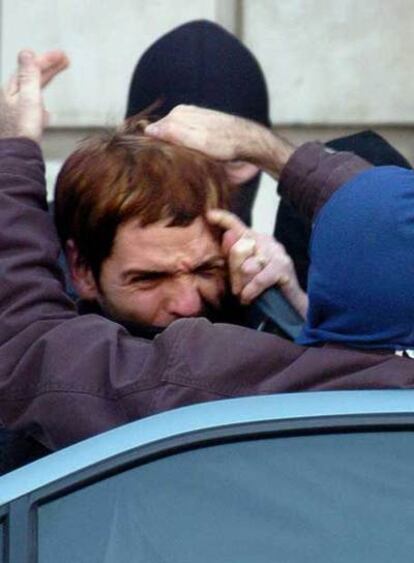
185	298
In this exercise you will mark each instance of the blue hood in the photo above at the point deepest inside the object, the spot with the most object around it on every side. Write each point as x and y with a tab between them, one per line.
361	279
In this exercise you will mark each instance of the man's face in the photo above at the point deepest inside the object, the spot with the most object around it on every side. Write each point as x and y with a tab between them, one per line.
157	274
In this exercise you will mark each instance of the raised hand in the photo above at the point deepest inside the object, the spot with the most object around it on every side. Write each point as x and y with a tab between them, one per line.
22	112
211	132
224	137
256	261
51	64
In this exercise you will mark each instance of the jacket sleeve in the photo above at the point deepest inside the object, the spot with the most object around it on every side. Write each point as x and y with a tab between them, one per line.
65	377
313	173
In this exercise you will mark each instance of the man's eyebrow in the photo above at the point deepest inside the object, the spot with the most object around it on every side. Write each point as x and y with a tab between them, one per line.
210	262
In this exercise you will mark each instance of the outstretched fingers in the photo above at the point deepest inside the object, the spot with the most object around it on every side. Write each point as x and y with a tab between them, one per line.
22	113
51	63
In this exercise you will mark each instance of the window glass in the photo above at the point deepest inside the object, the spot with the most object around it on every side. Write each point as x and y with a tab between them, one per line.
343	498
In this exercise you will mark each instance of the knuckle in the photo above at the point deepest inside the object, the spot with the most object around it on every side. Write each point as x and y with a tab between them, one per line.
254	285
167	129
238	248
246	268
251	267
227	241
281	249
177	109
264	279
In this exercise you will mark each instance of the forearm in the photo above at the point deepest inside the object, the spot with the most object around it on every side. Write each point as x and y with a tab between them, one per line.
262	147
308	175
56	373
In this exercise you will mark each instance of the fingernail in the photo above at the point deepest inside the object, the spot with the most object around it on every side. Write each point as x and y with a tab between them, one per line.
214	214
26	56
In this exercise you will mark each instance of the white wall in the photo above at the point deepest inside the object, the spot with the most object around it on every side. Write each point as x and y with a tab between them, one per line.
327	61
335	61
103	39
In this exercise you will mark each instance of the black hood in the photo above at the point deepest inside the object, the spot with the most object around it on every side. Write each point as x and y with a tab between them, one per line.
200	63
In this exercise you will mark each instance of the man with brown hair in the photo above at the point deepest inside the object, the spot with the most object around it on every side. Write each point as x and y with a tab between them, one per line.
64	377
136	218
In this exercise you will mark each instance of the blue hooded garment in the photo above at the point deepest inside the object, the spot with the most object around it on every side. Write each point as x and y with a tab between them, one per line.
361	279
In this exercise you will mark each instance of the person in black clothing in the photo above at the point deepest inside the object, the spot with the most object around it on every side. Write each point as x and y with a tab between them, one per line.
201	63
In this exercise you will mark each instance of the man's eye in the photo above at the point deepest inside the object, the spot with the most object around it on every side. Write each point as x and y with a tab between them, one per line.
211	271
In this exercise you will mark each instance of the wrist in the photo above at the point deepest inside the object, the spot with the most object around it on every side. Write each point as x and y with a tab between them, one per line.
274	153
265	149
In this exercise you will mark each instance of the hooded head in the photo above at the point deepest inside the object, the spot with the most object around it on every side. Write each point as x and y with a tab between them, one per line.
361	279
200	63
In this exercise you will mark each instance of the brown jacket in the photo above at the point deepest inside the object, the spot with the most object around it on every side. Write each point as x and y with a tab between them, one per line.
65	377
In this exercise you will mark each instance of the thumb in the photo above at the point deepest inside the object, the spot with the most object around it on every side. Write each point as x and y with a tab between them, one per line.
226	221
234	229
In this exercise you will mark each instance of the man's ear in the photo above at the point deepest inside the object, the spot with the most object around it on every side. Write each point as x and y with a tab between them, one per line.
80	273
